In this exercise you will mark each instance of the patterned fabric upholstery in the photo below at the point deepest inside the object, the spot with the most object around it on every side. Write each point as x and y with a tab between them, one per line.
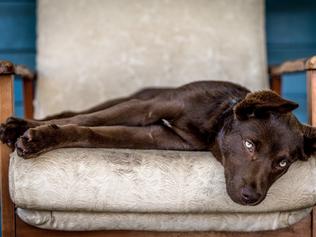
148	181
61	220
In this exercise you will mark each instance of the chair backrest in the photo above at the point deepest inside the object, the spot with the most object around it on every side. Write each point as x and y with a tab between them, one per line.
93	50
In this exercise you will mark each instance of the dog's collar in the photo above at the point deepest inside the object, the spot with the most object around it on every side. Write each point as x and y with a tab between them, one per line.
221	118
231	104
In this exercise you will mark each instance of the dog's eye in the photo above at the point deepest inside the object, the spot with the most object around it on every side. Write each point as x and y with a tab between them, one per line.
283	163
249	145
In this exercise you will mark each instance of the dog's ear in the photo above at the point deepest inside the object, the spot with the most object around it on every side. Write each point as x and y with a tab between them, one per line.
309	134
260	103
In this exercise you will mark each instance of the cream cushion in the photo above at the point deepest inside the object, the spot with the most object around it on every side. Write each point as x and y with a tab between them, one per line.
147	181
114	180
83	221
89	51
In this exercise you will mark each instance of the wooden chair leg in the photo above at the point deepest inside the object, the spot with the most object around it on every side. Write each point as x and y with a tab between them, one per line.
311	94
28	95
276	83
311	99
6	110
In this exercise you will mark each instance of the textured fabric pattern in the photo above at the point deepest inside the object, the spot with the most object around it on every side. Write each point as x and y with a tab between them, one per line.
113	180
160	222
119	47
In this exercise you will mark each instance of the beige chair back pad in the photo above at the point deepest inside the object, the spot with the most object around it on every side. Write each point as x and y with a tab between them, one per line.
93	50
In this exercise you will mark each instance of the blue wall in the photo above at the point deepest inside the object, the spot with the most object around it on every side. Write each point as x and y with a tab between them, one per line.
291	34
17	40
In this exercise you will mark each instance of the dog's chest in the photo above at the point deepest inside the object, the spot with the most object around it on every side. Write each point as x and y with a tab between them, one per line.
166	123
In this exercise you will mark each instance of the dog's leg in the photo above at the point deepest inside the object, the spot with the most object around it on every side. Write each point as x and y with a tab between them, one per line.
48	137
68	114
144	94
134	112
15	127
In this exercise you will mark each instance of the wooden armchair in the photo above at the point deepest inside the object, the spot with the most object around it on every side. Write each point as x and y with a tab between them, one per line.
13	226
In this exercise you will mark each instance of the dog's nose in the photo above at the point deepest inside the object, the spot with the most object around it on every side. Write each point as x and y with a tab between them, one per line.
249	195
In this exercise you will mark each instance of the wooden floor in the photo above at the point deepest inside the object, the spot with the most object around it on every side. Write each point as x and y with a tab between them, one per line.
301	229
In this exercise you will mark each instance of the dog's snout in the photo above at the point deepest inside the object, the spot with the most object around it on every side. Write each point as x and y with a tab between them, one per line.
249	195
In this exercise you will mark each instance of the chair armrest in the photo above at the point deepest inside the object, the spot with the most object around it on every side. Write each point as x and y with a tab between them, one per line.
293	66
7	67
6	88
24	72
302	65
299	65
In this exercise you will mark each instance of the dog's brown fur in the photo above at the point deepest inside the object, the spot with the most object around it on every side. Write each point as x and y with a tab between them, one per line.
254	135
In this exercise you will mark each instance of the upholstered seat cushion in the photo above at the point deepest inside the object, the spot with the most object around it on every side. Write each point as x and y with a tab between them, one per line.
117	180
80	221
114	180
158	190
148	190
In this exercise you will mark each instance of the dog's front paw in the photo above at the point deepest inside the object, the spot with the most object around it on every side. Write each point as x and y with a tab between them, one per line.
36	141
11	130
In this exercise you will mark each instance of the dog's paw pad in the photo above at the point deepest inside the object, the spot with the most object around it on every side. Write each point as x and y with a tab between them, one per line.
21	147
28	145
36	141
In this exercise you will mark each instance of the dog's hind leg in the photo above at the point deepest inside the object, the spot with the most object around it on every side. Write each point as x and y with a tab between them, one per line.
143	94
48	137
68	114
15	127
133	112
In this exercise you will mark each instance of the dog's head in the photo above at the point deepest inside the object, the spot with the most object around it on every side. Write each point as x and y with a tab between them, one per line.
260	143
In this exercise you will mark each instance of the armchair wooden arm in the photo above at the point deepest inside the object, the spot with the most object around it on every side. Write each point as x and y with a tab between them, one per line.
29	77
293	66
25	73
302	65
7	67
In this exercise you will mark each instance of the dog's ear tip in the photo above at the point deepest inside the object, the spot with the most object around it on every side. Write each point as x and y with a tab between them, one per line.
309	134
263	101
295	106
290	105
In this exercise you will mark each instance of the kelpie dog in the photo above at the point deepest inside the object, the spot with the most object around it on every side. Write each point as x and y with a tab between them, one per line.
254	135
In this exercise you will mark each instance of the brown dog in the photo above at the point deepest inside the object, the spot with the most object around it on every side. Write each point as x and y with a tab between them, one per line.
254	135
